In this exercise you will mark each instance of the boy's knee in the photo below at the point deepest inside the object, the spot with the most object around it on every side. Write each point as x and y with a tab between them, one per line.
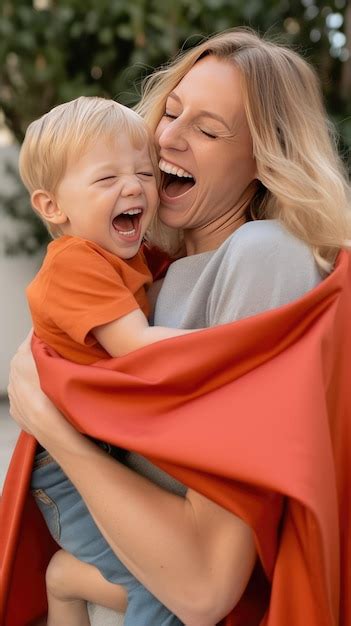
56	574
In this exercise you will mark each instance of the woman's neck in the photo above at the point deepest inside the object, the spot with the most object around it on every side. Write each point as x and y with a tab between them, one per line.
206	238
212	235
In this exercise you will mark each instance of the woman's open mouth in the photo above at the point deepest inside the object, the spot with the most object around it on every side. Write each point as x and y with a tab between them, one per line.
127	224
175	180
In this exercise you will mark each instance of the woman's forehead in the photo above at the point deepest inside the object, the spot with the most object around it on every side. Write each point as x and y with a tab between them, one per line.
214	85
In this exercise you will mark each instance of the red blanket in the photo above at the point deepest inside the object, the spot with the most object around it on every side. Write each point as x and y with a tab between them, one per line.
256	415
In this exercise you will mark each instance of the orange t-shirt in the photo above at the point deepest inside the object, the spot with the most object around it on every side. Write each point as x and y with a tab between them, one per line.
81	286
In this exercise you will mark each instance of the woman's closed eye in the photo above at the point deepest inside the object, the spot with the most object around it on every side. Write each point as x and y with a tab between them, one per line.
208	133
170	116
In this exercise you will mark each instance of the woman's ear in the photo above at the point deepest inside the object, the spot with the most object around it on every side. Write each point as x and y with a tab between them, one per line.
45	204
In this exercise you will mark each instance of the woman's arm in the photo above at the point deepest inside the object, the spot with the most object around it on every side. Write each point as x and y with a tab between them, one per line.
193	555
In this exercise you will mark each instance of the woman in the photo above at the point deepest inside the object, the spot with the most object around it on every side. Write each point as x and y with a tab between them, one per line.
242	136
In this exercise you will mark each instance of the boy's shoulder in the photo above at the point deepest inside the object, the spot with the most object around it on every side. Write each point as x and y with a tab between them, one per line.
68	244
69	256
71	252
67	248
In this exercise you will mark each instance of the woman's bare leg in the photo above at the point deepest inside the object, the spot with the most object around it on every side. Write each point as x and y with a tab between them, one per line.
70	584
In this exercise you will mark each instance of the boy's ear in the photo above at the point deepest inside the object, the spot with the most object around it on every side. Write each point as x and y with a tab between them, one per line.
45	204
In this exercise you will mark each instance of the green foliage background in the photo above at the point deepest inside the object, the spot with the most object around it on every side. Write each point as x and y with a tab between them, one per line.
55	50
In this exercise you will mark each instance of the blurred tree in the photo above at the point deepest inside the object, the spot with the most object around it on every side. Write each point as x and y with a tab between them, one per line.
52	51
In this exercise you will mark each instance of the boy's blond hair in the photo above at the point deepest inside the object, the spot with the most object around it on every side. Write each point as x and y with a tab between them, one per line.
65	133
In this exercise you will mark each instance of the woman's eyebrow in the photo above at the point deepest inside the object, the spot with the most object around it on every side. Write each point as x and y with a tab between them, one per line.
202	112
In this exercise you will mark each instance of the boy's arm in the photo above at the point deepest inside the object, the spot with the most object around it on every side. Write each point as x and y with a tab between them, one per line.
131	332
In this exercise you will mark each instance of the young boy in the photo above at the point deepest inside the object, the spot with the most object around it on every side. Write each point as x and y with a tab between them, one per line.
91	169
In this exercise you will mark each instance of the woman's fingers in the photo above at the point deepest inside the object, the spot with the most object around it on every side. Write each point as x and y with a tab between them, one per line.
27	341
16	407
15	410
23	371
29	406
24	386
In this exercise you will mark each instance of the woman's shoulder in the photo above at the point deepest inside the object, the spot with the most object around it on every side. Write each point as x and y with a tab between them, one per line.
259	267
269	244
262	235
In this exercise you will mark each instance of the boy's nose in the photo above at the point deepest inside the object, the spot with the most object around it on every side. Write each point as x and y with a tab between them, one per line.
131	186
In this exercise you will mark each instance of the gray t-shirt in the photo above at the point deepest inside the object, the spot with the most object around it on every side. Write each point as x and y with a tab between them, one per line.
260	266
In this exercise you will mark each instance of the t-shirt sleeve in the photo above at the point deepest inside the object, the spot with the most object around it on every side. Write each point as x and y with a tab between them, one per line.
264	267
85	291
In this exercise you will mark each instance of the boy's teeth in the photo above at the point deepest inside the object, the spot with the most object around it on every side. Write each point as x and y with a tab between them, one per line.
173	169
132	212
127	233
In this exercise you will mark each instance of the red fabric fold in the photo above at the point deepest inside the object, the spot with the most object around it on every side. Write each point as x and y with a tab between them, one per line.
256	415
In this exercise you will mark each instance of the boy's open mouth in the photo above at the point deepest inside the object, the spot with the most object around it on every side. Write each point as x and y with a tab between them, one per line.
127	223
175	180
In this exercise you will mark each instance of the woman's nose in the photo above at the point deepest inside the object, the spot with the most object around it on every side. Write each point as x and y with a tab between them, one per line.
172	135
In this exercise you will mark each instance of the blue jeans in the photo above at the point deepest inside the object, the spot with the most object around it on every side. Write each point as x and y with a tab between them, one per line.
73	528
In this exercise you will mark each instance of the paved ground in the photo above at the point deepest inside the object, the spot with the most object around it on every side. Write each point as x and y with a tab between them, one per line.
8	436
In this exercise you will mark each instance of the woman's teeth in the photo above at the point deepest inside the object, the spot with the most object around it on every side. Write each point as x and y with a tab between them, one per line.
176	181
168	168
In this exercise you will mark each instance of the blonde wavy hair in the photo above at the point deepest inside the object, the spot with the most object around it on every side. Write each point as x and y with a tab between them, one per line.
302	180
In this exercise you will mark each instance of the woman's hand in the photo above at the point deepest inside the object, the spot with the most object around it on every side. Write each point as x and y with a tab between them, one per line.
32	409
27	401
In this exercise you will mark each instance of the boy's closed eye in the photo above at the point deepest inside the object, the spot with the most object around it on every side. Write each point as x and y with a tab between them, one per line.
113	177
105	178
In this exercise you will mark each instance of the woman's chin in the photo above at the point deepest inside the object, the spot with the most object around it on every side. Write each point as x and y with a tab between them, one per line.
175	211
172	217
